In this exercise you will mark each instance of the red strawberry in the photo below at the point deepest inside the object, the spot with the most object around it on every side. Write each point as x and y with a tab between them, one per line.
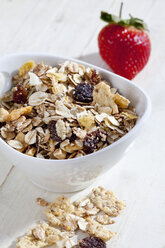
124	44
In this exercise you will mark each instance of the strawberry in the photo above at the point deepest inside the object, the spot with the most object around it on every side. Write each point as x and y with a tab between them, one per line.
124	44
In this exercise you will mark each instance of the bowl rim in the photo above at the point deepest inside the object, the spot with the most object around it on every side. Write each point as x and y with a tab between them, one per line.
53	162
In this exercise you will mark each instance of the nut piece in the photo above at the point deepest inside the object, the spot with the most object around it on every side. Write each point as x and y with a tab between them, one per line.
3	115
38	233
15	114
42	235
84	207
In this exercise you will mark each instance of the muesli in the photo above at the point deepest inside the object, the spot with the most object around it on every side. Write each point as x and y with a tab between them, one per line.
63	112
67	222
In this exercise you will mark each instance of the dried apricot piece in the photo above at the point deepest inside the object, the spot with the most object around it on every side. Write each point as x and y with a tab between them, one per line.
121	100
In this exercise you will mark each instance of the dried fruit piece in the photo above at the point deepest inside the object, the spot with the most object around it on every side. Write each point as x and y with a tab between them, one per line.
94	77
53	131
20	94
25	68
83	92
86	120
121	101
92	242
92	139
72	138
130	116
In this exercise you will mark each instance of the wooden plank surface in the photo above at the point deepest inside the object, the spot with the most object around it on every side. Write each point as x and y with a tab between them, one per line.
70	28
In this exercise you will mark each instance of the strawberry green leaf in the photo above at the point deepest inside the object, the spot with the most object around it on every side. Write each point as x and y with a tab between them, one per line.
109	18
133	21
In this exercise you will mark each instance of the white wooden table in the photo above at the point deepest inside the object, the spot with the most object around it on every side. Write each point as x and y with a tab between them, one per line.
70	28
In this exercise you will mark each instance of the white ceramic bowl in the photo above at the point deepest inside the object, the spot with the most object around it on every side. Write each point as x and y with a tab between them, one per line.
78	173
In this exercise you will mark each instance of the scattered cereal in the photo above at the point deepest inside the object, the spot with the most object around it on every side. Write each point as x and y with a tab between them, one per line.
67	220
96	229
104	219
40	201
106	201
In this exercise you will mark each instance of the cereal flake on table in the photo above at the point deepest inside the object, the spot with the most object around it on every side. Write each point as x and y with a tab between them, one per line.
63	112
66	220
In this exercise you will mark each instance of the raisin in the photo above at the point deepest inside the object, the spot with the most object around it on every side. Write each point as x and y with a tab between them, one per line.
83	92
95	77
20	94
73	137
91	141
2	124
92	242
53	131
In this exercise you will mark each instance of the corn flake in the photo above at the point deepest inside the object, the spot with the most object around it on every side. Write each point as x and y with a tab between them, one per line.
25	68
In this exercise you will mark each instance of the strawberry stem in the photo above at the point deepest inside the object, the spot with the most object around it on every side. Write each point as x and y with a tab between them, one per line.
121	8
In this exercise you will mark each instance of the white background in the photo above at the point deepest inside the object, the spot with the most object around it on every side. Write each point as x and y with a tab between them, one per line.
70	28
